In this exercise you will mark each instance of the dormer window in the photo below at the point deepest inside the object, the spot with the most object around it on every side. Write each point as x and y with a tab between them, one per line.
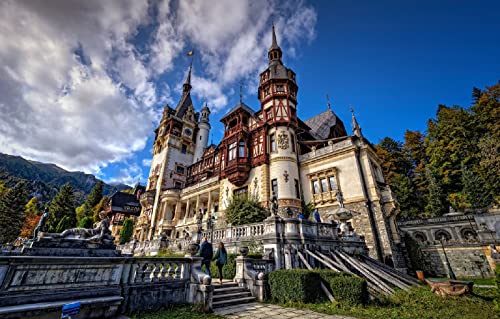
280	88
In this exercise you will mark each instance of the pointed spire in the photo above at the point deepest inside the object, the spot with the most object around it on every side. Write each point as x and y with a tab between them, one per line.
274	53
274	44
187	84
328	101
356	129
241	92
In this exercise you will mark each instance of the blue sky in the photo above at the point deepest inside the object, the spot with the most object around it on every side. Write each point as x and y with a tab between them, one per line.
83	83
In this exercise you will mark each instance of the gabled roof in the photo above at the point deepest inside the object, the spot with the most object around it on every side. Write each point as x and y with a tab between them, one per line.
324	124
237	107
119	200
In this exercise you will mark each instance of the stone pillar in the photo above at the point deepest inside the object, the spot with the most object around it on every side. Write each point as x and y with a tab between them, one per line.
186	214
209	203
197	205
177	211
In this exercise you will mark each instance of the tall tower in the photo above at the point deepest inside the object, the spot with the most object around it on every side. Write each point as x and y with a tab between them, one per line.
278	98
173	150
202	134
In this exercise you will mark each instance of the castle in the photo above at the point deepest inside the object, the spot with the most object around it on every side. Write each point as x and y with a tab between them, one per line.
263	153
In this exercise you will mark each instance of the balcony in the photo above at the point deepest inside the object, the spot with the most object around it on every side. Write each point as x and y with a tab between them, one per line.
148	198
236	129
238	170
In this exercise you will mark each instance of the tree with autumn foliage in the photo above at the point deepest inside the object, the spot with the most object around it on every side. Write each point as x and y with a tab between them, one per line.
32	214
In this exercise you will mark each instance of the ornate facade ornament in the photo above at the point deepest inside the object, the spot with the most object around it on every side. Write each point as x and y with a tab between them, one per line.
285	175
283	142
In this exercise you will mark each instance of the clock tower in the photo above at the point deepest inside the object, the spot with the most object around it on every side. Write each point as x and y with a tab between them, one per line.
178	137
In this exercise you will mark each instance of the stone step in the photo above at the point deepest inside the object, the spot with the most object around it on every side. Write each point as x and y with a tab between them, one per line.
227	290
225	285
236	295
232	302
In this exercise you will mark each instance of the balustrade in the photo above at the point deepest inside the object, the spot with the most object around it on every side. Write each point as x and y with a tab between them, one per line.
148	270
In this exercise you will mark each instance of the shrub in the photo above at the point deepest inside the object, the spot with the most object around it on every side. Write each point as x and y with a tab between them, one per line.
296	285
344	286
244	210
86	222
497	283
127	230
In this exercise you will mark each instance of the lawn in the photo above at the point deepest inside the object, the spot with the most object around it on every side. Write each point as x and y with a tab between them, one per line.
177	312
418	303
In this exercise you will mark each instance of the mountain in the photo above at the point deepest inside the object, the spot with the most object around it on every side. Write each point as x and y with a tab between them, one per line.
45	179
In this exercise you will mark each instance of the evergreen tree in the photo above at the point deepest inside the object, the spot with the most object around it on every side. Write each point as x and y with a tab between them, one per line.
452	140
404	189
62	205
3	189
95	196
127	230
436	205
86	222
63	224
474	191
12	205
244	210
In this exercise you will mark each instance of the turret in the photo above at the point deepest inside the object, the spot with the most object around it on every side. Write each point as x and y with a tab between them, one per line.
202	135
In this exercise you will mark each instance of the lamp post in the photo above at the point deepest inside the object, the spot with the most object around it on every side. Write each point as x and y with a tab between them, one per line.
210	227
451	274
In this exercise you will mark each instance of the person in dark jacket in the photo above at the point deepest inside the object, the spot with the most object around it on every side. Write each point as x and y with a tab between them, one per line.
220	259
206	252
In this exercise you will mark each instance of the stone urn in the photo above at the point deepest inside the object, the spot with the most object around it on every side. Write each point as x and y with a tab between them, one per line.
193	249
244	251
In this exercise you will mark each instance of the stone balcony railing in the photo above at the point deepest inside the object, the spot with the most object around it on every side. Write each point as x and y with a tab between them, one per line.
325	197
104	286
332	147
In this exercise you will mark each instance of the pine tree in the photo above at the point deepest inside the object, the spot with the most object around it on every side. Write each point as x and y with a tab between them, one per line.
127	230
63	224
436	198
62	205
474	191
12	205
95	196
86	222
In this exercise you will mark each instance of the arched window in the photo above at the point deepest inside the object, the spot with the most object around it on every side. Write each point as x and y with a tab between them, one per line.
420	237
241	149
468	234
442	235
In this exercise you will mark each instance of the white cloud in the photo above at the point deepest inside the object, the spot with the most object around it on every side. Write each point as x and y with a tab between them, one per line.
78	91
146	162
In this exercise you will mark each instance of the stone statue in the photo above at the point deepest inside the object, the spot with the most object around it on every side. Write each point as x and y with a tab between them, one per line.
100	234
41	224
274	205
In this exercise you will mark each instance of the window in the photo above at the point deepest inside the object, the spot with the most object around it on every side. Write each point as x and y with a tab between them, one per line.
266	91
272	142
241	149
177	184
315	185
269	114
292	140
232	151
241	191
280	88
324	186
297	189
184	149
274	187
180	169
333	185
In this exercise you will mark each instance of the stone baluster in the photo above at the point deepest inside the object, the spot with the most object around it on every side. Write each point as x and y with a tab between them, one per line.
171	270
163	272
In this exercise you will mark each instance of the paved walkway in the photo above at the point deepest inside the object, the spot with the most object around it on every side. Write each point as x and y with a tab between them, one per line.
257	310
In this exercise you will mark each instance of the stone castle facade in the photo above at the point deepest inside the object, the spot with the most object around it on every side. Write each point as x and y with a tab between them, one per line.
263	153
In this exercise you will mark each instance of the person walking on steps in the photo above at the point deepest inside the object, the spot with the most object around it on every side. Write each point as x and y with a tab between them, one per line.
220	259
206	252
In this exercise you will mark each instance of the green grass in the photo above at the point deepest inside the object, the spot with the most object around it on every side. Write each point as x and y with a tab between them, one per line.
480	281
418	303
177	312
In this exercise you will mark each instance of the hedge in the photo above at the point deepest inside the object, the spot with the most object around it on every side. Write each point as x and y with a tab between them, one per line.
344	286
497	283
297	285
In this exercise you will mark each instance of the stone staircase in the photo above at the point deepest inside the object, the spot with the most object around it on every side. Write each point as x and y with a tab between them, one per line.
230	294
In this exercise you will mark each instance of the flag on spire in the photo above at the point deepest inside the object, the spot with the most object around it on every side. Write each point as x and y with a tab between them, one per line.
190	53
